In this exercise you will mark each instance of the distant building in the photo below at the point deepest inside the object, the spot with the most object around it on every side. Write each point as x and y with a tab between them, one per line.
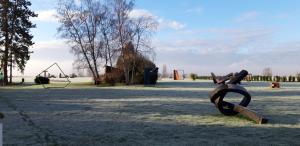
165	72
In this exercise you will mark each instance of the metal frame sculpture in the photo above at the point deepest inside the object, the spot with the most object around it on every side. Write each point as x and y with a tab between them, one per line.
177	76
229	83
68	82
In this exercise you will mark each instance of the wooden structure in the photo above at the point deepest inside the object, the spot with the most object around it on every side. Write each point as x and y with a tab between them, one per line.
178	75
217	97
112	75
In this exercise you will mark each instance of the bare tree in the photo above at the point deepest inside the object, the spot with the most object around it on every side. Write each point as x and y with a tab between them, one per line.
121	10
267	71
99	31
107	31
142	28
79	25
136	31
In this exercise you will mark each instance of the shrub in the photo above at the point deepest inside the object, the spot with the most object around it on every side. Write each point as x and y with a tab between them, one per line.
135	63
193	76
110	81
113	75
73	75
42	80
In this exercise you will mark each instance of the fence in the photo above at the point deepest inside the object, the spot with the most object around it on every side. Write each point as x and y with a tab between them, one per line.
263	78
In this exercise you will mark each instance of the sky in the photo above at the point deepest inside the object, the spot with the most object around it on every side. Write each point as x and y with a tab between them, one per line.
197	36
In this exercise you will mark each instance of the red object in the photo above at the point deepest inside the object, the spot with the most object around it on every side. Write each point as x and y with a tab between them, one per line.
275	85
176	75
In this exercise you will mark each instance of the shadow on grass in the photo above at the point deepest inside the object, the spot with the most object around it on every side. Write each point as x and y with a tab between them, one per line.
124	132
186	84
289	119
78	119
155	133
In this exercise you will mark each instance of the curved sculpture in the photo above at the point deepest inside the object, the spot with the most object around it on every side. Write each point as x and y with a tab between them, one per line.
218	95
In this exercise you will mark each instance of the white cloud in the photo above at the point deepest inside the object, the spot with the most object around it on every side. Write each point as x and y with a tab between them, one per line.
170	24
163	23
136	13
50	45
46	16
241	64
248	16
197	11
229	50
46	53
77	2
49	16
222	41
187	58
35	66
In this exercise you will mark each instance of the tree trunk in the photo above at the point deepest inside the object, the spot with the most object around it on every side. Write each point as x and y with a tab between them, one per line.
11	67
5	65
135	56
125	68
96	72
10	40
6	39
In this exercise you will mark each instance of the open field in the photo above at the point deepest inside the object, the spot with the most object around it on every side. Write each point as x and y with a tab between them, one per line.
172	113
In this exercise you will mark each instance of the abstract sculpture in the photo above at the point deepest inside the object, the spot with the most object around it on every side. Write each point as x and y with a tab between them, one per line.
178	75
228	84
63	82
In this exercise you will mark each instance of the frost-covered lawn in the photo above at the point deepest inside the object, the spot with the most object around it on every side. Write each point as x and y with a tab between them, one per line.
172	113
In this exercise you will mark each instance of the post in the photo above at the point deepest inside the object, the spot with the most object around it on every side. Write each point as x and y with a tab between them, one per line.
1	134
45	73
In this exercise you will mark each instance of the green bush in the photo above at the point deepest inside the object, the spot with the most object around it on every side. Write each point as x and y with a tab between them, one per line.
135	63
73	75
41	80
193	76
1	75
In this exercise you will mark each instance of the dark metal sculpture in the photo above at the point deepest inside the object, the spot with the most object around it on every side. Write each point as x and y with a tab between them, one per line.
67	82
221	80
229	83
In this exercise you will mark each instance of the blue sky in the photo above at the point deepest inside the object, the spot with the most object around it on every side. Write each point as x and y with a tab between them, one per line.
200	36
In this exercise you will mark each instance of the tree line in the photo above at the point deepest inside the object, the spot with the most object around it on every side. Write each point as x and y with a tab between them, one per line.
100	30
15	36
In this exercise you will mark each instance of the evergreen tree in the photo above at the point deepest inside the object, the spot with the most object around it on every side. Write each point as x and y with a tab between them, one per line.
15	30
4	8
